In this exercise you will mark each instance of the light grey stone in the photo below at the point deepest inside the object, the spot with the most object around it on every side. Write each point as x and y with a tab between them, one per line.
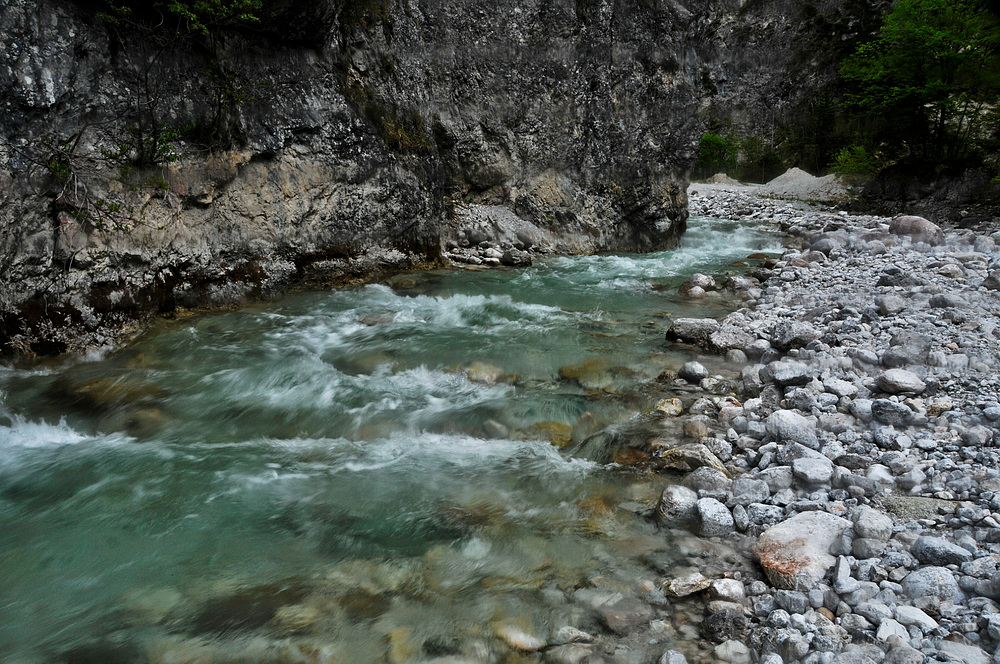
813	471
932	582
789	425
798	549
714	518
911	615
968	654
677	506
898	381
869	522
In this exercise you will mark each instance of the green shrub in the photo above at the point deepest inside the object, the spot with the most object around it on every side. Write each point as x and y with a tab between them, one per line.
716	154
854	160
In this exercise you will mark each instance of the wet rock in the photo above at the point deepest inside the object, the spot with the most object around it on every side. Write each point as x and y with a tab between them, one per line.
797	551
697	280
672	657
516	258
939	551
688	585
676	508
252	606
517	638
713	518
572	653
692	330
485	374
688	457
724	625
625	616
569	634
897	381
692	372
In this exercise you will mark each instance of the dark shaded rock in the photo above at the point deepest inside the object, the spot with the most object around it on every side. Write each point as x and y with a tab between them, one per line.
891	413
724	625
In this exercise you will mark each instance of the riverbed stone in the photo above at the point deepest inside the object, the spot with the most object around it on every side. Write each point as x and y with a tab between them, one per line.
870	523
692	330
787	373
939	551
688	585
891	412
676	507
813	471
692	371
932	581
911	615
714	518
789	425
964	652
793	334
797	551
917	228
897	381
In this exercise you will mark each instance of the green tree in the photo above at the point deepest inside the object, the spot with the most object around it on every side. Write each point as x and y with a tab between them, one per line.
927	84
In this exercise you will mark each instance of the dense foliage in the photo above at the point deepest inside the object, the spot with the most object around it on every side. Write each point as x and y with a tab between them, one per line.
921	90
926	87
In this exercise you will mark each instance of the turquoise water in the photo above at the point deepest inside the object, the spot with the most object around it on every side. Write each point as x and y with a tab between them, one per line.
343	476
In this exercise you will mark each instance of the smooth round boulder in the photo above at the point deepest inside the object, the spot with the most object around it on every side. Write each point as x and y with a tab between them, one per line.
899	381
692	372
918	228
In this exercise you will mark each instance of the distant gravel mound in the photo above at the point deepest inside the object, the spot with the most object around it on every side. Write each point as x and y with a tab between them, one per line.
799	185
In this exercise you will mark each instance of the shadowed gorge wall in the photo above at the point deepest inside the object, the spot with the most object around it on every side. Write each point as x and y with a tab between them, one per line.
334	141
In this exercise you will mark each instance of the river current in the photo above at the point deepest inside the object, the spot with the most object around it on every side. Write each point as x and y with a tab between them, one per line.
381	473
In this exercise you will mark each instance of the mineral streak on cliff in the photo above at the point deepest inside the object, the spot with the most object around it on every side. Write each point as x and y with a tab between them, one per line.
356	137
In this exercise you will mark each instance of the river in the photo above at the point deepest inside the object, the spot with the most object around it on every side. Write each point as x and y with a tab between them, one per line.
373	473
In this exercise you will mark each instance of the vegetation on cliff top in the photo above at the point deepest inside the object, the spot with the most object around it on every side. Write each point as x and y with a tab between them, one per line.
923	90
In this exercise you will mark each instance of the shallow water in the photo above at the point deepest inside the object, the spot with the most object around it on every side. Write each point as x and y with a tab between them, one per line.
348	475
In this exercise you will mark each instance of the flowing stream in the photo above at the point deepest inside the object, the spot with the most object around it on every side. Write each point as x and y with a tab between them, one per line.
382	473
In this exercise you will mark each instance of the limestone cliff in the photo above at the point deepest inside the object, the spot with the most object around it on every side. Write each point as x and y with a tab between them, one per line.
345	138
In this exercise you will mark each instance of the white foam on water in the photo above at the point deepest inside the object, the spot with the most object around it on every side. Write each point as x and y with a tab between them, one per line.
21	432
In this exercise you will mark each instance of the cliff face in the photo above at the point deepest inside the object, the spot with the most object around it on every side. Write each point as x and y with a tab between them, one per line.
357	137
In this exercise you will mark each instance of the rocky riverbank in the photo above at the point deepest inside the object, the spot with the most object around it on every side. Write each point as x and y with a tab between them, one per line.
858	462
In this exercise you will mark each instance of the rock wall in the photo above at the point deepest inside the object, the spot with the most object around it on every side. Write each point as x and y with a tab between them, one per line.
361	136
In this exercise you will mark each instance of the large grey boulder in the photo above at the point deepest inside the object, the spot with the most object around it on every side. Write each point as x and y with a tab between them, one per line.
796	552
789	425
692	330
918	228
898	381
939	551
932	581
